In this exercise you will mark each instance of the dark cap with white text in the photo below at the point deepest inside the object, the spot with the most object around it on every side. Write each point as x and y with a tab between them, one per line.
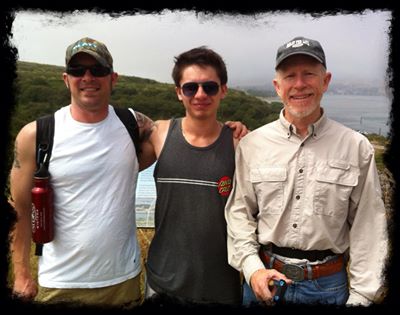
300	46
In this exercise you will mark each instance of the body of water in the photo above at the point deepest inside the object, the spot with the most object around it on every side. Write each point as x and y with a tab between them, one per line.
145	198
364	113
359	112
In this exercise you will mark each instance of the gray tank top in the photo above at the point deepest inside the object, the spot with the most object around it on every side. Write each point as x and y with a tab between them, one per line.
187	257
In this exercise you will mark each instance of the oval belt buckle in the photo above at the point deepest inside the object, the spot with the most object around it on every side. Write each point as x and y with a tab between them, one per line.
293	272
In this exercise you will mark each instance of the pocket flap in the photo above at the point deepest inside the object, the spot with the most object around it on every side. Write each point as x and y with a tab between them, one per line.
268	174
338	172
339	164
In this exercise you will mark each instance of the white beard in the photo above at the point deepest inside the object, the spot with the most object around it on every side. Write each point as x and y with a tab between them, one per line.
301	114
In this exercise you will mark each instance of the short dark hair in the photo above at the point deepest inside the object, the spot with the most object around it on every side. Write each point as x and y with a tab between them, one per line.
201	56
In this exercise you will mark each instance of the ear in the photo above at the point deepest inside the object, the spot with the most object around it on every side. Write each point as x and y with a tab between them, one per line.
114	78
224	91
178	92
275	82
65	78
327	80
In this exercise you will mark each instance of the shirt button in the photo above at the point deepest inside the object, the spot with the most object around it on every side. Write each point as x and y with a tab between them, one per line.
295	225
297	197
301	170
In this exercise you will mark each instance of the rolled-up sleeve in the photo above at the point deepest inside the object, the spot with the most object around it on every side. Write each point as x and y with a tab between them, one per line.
240	212
368	235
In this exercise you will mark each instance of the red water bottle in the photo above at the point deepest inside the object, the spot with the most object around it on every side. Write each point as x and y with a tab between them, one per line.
42	208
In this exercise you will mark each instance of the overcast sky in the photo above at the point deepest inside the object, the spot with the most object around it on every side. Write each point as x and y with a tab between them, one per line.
144	45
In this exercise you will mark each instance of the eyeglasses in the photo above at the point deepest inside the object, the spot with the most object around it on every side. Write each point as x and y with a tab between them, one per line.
95	70
190	89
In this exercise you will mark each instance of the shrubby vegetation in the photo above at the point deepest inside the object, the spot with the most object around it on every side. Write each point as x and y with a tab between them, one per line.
40	90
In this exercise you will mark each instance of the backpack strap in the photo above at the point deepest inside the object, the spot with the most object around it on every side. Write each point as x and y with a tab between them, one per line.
44	145
45	135
128	118
44	140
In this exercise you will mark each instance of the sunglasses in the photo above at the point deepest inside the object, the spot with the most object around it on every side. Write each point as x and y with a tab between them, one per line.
95	70
190	89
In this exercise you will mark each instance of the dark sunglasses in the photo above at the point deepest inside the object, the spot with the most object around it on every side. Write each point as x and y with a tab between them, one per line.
95	70
190	89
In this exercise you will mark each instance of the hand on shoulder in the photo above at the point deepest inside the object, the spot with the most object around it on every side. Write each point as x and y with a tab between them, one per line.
239	129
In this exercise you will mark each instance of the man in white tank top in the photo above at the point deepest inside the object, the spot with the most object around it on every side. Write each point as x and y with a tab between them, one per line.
94	257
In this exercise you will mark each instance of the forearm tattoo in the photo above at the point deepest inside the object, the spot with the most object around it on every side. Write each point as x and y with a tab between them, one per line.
16	162
146	126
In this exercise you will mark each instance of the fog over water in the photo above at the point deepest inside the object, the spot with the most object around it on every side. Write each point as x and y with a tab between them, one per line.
144	45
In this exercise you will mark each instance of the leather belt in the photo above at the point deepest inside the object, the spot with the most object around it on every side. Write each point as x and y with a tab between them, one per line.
298	272
311	255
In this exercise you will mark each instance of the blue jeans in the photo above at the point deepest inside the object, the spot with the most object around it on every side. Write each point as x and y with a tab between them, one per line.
332	289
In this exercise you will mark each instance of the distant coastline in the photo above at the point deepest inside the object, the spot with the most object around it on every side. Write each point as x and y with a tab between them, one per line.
350	88
364	113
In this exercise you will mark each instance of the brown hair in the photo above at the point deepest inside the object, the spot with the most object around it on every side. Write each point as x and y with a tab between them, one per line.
201	56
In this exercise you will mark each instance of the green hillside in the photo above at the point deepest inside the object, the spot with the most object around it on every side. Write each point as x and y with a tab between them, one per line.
40	90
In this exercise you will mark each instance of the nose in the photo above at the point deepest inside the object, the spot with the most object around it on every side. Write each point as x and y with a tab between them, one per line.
200	92
88	75
300	82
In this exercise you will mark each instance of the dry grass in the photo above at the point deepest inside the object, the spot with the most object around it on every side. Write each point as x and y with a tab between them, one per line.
145	235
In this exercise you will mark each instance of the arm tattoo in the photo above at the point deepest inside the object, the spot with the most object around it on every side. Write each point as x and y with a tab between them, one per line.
146	126
147	132
16	163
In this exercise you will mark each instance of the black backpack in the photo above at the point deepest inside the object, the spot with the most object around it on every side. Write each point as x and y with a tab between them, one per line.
45	135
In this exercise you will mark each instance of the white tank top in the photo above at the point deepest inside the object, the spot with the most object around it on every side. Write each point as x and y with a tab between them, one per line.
94	173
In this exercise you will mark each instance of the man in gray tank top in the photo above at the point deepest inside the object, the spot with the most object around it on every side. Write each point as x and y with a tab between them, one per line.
187	258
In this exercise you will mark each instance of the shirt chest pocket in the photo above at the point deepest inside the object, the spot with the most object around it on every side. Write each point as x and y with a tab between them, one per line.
334	183
269	183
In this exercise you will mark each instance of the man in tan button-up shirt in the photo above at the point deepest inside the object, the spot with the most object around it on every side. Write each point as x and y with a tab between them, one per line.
307	199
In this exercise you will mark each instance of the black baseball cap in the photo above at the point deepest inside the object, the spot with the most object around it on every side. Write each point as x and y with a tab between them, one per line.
300	46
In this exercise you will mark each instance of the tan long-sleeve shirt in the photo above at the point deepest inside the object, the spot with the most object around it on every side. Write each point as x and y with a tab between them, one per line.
317	193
